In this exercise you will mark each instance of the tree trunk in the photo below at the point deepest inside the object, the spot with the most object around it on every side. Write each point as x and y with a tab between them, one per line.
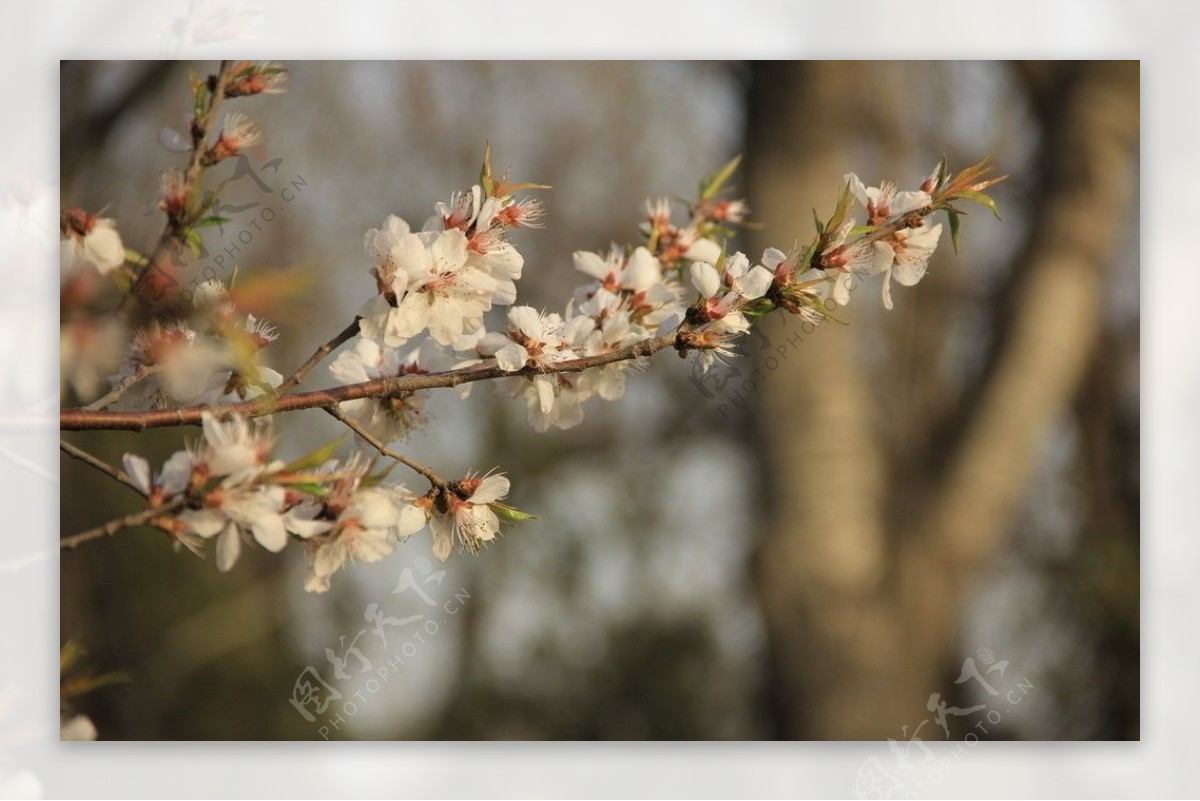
862	605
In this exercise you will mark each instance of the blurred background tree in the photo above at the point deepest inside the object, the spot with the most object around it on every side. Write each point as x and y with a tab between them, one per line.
809	560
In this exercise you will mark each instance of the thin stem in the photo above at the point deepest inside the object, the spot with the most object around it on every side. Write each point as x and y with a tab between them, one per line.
174	232
114	526
200	131
320	353
114	473
113	396
83	419
378	444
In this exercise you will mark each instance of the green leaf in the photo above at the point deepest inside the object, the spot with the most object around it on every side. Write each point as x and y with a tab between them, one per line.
122	279
211	221
510	513
817	222
377	479
941	172
310	489
759	308
809	254
317	457
203	98
710	185
79	685
839	213
133	257
69	654
485	172
195	242
952	216
981	199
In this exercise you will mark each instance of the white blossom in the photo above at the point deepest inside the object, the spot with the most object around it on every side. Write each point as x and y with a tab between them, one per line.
883	201
234	447
232	511
639	279
173	479
533	339
429	283
76	728
364	531
905	255
724	296
90	241
390	418
466	516
352	522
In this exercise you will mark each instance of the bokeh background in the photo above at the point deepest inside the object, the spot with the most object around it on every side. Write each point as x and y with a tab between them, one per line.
808	553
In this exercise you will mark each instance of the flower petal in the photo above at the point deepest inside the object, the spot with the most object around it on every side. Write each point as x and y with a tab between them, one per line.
545	393
176	473
592	264
443	537
512	357
642	271
887	290
703	250
449	251
705	279
229	547
491	489
527	320
755	283
411	520
269	531
139	470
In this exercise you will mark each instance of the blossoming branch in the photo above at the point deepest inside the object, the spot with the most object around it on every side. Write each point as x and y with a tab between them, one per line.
432	320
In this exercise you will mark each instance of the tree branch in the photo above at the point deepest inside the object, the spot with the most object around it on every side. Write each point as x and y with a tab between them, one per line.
1050	337
115	394
117	475
84	419
329	347
114	526
200	130
379	445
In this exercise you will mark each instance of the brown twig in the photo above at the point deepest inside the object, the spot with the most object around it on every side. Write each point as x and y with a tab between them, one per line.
320	353
113	396
83	419
173	237
379	445
113	526
114	473
200	130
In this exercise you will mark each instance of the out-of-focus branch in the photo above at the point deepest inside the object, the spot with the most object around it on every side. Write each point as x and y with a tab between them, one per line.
115	394
173	237
86	131
200	130
1053	331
